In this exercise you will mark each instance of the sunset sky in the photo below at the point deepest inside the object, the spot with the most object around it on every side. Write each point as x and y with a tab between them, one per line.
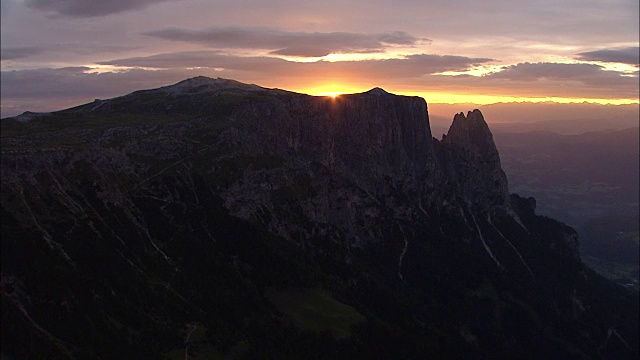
60	53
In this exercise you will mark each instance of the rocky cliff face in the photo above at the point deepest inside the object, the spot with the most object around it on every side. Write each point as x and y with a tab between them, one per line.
367	137
218	206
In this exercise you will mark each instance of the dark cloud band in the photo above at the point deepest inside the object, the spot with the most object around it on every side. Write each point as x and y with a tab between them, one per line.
588	74
302	44
629	55
409	66
14	53
89	8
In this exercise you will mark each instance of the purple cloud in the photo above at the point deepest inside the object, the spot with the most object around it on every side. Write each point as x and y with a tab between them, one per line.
629	55
89	8
303	44
19	52
409	66
585	73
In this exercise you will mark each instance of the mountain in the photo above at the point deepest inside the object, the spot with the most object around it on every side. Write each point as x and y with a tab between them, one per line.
215	219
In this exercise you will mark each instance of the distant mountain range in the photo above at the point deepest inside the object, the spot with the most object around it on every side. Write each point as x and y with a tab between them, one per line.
215	219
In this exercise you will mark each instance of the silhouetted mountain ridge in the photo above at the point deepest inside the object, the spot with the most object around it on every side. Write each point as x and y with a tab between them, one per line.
272	224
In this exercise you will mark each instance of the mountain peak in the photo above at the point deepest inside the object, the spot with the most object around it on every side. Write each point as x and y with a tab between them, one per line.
477	162
203	83
377	91
471	132
473	117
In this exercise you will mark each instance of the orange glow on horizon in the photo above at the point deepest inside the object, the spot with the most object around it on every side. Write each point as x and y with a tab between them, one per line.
445	98
331	94
334	90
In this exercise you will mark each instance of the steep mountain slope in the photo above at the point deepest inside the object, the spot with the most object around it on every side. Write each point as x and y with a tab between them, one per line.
221	219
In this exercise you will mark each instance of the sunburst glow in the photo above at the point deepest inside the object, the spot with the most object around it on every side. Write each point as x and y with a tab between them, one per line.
332	90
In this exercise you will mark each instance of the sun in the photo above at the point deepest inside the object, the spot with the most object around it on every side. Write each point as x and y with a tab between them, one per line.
332	90
331	94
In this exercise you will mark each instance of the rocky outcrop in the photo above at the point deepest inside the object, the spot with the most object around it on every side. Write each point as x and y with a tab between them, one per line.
472	134
562	240
471	162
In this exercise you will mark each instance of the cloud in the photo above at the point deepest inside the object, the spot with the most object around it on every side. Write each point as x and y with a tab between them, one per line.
302	44
206	59
544	70
89	8
547	80
629	55
19	52
61	49
585	73
409	66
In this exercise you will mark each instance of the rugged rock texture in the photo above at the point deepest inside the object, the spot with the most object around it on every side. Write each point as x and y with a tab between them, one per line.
200	218
367	137
472	162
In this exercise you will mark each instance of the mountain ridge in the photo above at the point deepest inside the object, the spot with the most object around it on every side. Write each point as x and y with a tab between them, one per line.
152	205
